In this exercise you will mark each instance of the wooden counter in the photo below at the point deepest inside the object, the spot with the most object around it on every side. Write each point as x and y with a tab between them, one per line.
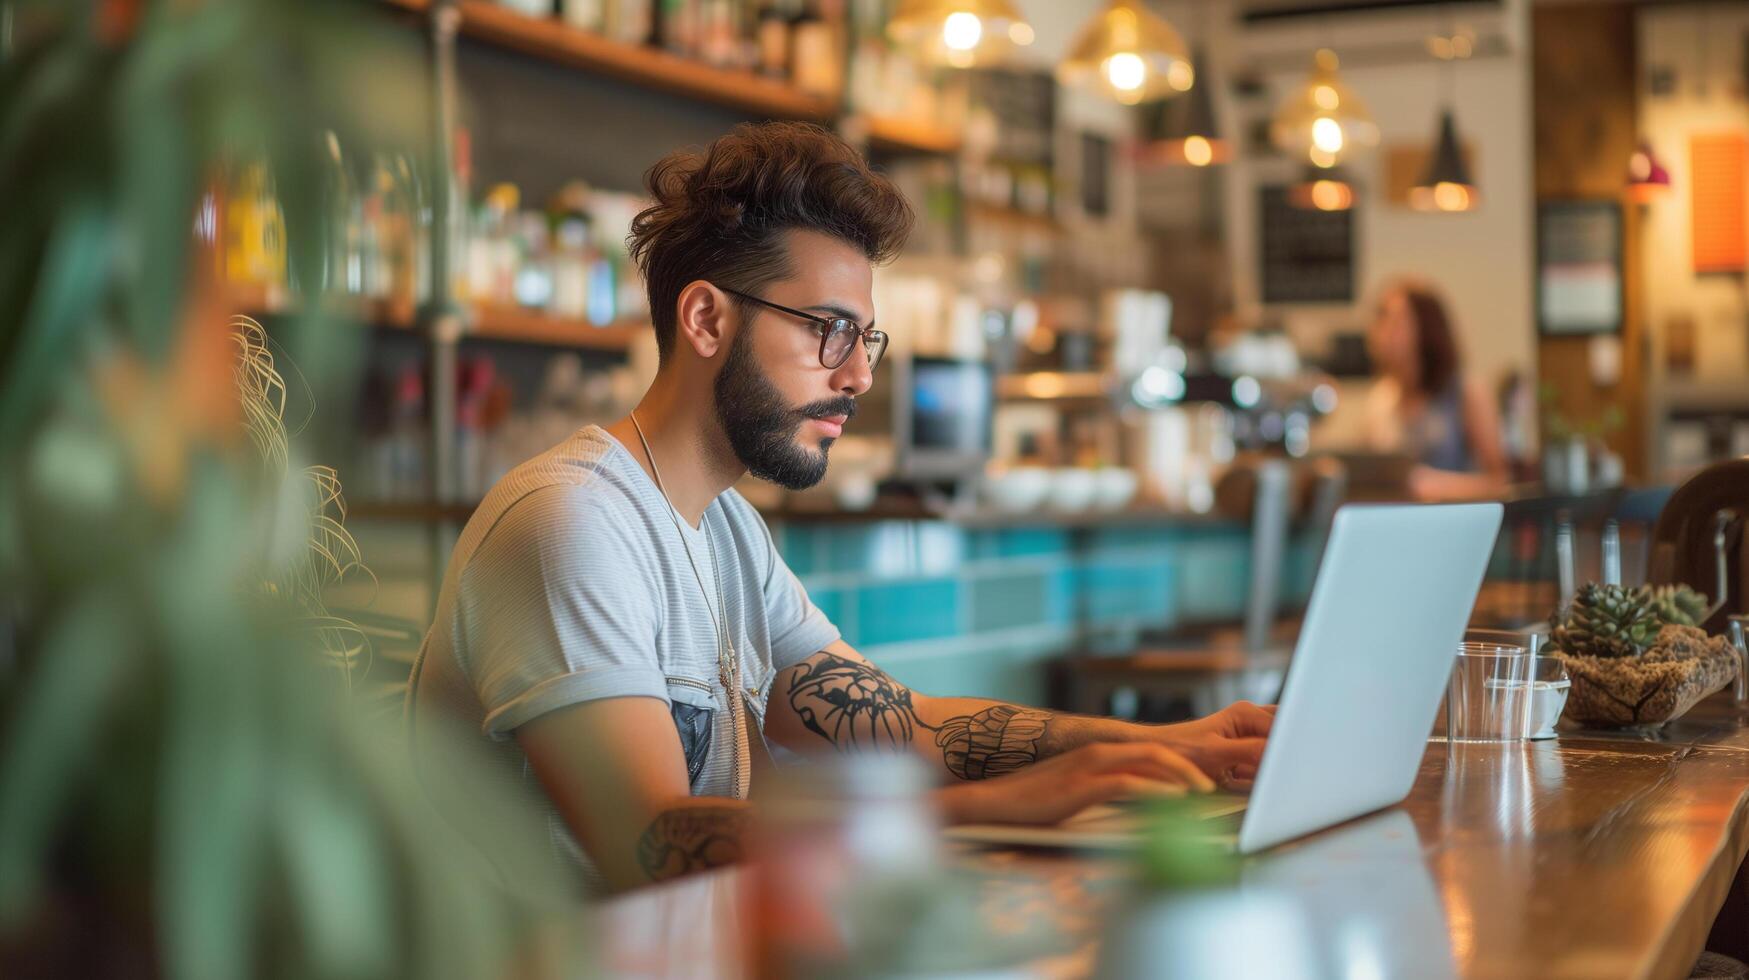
1592	856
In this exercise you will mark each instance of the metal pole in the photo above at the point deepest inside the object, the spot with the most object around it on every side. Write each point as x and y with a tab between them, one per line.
1565	565
1268	550
1612	552
440	320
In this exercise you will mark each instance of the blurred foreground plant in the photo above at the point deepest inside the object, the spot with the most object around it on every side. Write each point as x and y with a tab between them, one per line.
182	790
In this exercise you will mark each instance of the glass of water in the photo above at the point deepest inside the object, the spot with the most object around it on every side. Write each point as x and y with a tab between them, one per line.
1739	631
1489	696
1549	685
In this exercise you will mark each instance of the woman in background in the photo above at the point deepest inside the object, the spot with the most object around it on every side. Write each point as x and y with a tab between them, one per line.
1423	407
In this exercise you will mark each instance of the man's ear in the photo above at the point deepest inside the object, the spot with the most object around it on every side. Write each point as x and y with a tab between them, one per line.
706	319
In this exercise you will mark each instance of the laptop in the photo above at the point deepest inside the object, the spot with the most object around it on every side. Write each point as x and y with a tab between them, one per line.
1392	598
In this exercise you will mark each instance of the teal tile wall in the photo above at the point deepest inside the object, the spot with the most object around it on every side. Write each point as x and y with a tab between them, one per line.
957	610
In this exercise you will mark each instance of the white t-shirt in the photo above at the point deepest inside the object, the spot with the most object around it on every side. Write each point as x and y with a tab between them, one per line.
570	583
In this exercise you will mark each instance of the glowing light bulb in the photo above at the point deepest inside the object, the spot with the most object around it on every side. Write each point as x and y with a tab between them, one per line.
1125	71
1181	76
1331	195
1327	135
962	31
1639	166
1326	98
1451	197
1198	152
1020	33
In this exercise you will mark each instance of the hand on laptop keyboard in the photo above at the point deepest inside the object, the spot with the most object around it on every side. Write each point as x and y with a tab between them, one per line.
1049	791
1227	745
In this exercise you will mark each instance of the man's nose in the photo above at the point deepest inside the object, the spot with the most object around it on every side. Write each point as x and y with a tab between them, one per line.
854	376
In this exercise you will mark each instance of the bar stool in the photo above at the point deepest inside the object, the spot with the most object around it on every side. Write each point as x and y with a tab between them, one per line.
1700	536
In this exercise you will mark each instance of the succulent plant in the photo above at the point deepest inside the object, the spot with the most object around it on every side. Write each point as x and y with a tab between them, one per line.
1608	621
1678	605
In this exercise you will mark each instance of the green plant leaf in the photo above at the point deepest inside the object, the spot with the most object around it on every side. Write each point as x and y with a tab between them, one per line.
62	309
87	659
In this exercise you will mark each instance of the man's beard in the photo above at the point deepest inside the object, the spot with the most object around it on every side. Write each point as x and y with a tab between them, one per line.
762	427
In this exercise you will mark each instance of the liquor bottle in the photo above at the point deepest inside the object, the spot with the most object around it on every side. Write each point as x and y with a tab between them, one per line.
571	251
773	40
585	15
255	232
533	278
678	23
816	56
719	37
629	21
533	8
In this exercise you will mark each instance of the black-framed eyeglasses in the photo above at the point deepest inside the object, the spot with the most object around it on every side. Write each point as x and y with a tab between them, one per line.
837	334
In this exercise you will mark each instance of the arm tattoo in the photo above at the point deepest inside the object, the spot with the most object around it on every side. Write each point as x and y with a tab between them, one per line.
853	705
692	839
998	739
856	707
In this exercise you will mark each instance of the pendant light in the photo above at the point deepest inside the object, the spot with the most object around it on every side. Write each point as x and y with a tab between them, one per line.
1324	122
1647	178
1184	131
1128	54
1446	184
959	33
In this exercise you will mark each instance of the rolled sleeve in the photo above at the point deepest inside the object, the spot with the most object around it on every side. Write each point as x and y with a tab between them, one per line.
568	689
557	608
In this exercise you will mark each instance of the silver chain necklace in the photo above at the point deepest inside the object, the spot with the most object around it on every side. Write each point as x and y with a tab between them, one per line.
728	661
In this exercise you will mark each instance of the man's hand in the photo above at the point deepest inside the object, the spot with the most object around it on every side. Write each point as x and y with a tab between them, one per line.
1227	745
1059	787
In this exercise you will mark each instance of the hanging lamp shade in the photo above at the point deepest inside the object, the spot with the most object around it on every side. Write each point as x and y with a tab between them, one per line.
1128	54
1647	178
959	33
1324	121
1446	186
1184	131
1322	189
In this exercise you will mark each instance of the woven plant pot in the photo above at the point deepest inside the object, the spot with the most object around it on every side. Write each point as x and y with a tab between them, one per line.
1683	666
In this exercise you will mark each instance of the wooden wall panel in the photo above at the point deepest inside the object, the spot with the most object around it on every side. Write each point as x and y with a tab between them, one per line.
1582	79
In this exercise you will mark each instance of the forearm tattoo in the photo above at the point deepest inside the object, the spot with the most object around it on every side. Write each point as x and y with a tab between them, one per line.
857	707
999	739
853	705
692	839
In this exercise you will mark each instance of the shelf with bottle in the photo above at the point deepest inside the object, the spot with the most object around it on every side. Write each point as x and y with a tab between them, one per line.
507	406
783	62
557	276
508	324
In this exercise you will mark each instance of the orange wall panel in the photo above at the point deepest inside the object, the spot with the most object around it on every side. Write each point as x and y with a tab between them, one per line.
1719	165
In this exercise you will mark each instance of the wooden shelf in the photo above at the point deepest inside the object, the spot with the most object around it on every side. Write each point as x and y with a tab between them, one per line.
509	324
899	135
408	511
261	301
553	40
528	327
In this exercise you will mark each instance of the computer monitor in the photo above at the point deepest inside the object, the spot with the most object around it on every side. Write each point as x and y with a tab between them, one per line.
942	413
